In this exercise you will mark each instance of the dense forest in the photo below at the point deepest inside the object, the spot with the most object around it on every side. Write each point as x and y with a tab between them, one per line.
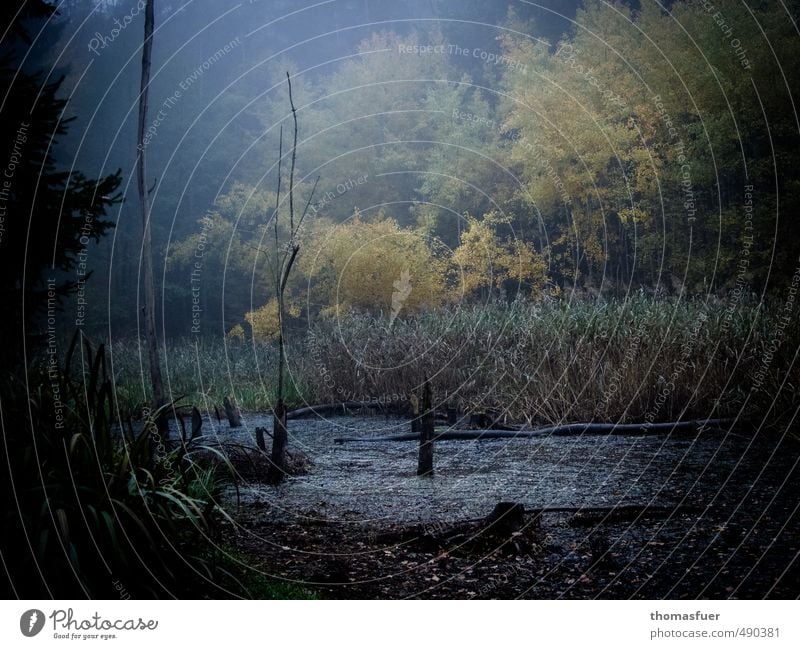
627	153
469	218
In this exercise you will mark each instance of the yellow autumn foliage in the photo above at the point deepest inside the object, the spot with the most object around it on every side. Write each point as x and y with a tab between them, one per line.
485	261
264	320
376	265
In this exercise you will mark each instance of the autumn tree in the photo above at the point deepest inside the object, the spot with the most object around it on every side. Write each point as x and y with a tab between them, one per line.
230	242
641	132
356	265
485	261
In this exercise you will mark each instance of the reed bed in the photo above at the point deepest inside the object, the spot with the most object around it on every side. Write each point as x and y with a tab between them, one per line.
644	359
641	359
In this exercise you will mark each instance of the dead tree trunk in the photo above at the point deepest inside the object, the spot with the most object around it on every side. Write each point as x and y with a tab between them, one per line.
260	439
283	268
416	423
147	246
425	463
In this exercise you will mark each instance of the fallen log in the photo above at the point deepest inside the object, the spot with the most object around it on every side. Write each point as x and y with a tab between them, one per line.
588	516
563	429
508	517
326	408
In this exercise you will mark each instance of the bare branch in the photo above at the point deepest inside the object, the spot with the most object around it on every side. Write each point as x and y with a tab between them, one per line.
294	154
288	267
277	202
305	211
293	242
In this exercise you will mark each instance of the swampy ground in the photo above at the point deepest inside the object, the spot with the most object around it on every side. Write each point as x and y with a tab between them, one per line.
699	515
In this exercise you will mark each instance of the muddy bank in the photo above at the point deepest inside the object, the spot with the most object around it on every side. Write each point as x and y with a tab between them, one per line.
733	530
374	482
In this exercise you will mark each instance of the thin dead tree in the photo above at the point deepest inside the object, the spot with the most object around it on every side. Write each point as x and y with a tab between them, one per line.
283	268
144	202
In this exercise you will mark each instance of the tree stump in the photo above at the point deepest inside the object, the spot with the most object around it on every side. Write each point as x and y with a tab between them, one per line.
452	415
425	463
232	412
280	439
493	417
260	438
478	421
507	518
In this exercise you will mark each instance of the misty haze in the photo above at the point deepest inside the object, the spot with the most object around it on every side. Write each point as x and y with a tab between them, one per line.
416	299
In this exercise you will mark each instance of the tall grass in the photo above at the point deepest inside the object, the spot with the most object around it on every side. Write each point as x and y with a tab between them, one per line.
201	372
645	358
91	511
641	359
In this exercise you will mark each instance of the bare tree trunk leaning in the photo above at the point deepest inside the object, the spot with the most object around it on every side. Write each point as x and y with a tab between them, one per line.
280	436
425	463
147	245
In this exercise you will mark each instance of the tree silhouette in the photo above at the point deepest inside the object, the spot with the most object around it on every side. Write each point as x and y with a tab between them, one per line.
48	216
